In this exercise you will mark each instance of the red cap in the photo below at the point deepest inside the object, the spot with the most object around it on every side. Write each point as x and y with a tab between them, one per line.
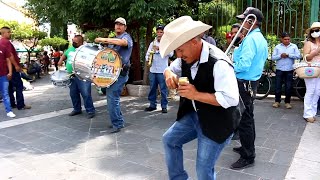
228	35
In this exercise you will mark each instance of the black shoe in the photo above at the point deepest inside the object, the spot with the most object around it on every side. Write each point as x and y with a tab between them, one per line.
90	115
242	163
150	109
14	106
73	113
237	150
164	110
111	126
115	130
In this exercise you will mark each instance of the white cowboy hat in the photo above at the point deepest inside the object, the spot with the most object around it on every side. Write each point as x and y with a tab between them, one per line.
180	31
314	25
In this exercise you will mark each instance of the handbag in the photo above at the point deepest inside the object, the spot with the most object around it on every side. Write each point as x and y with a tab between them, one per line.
307	69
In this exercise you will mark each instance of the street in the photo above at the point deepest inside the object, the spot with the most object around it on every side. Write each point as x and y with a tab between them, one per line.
45	143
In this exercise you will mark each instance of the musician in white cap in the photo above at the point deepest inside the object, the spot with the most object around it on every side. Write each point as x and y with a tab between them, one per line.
123	44
208	98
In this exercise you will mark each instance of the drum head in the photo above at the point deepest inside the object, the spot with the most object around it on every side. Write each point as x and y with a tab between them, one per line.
106	67
60	78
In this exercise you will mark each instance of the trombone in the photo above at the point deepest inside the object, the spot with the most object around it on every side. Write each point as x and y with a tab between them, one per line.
247	19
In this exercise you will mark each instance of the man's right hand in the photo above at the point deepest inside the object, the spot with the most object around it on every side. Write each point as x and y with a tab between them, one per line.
171	79
60	63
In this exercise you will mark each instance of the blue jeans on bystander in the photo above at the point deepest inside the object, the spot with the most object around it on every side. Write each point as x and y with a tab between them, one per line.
182	132
78	87
113	101
155	80
4	85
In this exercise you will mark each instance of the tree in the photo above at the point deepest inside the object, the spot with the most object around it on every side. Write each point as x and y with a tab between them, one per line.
27	34
55	42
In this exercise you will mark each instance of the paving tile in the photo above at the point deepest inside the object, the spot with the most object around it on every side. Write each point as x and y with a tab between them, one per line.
267	170
155	133
290	146
282	158
227	174
9	170
131	171
137	153
303	169
8	146
131	138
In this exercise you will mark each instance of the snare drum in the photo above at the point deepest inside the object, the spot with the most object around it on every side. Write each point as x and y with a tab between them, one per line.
101	66
61	78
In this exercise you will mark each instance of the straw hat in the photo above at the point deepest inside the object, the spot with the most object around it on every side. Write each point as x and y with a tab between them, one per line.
314	25
179	32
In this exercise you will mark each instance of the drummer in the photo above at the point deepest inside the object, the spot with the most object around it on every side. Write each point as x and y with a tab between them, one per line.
122	43
78	86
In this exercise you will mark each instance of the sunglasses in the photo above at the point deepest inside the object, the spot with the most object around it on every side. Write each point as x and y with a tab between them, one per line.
314	30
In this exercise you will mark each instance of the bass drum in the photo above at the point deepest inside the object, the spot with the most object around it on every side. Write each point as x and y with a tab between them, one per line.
101	66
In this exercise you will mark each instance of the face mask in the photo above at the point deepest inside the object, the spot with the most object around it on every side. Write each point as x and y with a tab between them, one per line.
75	45
315	34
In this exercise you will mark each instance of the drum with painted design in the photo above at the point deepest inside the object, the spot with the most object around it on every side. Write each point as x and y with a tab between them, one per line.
100	65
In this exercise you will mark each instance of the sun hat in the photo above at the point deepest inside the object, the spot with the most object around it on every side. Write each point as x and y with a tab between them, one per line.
314	25
180	31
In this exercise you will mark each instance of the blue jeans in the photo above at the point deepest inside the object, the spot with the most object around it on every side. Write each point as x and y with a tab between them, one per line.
286	78
78	87
155	80
113	101
182	132
16	83
4	85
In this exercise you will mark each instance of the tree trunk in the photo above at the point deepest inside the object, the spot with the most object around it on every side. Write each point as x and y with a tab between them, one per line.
136	65
148	41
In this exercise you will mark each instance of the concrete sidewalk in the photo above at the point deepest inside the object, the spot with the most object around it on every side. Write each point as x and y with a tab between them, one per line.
44	143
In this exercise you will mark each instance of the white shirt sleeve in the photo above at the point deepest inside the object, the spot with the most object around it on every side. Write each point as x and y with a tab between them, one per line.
175	67
225	84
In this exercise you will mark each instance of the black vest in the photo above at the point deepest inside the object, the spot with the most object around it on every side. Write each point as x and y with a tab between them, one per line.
217	123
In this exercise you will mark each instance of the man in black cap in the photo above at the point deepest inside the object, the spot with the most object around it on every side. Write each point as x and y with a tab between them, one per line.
158	65
249	60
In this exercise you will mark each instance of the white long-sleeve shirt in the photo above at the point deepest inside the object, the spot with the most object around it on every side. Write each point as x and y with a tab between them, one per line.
159	64
225	82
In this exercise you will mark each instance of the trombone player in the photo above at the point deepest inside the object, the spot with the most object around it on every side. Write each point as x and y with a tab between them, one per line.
249	60
158	65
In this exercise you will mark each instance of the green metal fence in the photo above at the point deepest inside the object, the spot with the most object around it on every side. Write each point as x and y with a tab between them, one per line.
292	16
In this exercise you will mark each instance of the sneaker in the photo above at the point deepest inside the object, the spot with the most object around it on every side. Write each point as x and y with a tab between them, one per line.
10	114
310	119
150	109
237	150
25	107
276	105
242	163
73	113
164	110
288	106
90	115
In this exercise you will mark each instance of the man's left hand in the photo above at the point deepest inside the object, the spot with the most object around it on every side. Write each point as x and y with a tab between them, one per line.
187	90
